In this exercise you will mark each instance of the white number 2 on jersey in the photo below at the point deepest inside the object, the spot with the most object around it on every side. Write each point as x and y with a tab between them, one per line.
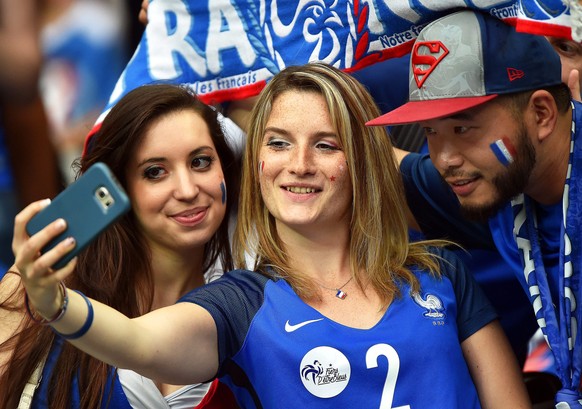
392	375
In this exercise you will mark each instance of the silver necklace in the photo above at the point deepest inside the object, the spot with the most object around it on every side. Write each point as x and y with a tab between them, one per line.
338	291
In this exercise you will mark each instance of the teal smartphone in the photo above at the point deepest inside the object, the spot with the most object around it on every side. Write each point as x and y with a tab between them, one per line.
89	205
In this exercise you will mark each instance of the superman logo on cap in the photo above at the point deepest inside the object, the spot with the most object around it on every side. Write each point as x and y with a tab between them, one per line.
426	55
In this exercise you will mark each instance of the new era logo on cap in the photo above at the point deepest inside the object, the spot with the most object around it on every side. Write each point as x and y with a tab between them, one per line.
514	74
420	59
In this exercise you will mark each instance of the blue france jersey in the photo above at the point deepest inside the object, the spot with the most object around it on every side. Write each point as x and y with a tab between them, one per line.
276	351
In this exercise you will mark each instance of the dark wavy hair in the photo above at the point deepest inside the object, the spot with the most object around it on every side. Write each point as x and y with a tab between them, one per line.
116	268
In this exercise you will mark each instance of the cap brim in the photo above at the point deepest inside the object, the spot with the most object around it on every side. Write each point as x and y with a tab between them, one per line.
416	111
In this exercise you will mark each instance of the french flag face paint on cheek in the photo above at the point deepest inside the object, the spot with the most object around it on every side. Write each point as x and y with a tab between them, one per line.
261	167
223	189
504	151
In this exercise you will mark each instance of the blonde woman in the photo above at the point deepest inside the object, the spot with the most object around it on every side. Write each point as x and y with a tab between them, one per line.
341	310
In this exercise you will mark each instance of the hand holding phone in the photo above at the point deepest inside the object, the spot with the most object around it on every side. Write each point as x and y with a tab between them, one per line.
89	205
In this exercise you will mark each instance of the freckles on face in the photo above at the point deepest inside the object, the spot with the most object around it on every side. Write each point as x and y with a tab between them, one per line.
301	167
341	169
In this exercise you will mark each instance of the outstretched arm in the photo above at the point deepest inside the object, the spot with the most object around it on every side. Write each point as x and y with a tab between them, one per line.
176	344
494	369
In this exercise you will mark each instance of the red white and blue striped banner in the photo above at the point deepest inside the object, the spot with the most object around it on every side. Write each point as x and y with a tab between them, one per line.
229	49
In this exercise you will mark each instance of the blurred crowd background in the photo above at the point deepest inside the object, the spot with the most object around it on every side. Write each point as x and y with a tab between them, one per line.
59	62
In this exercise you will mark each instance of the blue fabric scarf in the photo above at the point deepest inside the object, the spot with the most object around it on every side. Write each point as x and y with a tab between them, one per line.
560	320
228	49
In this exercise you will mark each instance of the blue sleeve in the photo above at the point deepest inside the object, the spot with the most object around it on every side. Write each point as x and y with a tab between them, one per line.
474	310
387	81
436	208
233	301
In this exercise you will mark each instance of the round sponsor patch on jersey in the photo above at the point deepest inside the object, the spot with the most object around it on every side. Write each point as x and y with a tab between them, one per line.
325	372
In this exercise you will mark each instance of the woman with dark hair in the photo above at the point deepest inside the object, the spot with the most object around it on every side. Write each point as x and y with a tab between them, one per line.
168	151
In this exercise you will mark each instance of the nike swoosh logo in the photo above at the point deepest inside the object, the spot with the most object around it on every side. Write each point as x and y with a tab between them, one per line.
291	328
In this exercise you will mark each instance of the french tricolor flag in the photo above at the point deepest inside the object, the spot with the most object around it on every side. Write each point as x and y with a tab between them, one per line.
504	150
340	294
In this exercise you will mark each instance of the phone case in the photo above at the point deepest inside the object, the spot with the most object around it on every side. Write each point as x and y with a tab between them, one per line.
89	205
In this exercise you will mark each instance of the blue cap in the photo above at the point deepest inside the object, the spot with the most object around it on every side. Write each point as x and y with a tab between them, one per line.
467	58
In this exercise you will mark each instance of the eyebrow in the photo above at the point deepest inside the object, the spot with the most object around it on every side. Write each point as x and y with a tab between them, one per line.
284	132
276	130
196	151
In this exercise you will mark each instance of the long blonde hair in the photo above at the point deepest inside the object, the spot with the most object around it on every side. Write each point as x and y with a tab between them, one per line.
379	245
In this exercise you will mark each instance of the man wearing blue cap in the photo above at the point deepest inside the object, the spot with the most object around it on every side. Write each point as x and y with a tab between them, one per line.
506	139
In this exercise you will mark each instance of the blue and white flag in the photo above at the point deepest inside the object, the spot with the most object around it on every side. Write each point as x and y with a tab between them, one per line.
228	49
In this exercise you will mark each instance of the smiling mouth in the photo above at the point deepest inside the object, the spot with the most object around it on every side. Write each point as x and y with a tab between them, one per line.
462	182
189	213
301	190
190	218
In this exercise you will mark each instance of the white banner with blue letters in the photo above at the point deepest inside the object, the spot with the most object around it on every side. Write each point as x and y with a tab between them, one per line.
228	49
